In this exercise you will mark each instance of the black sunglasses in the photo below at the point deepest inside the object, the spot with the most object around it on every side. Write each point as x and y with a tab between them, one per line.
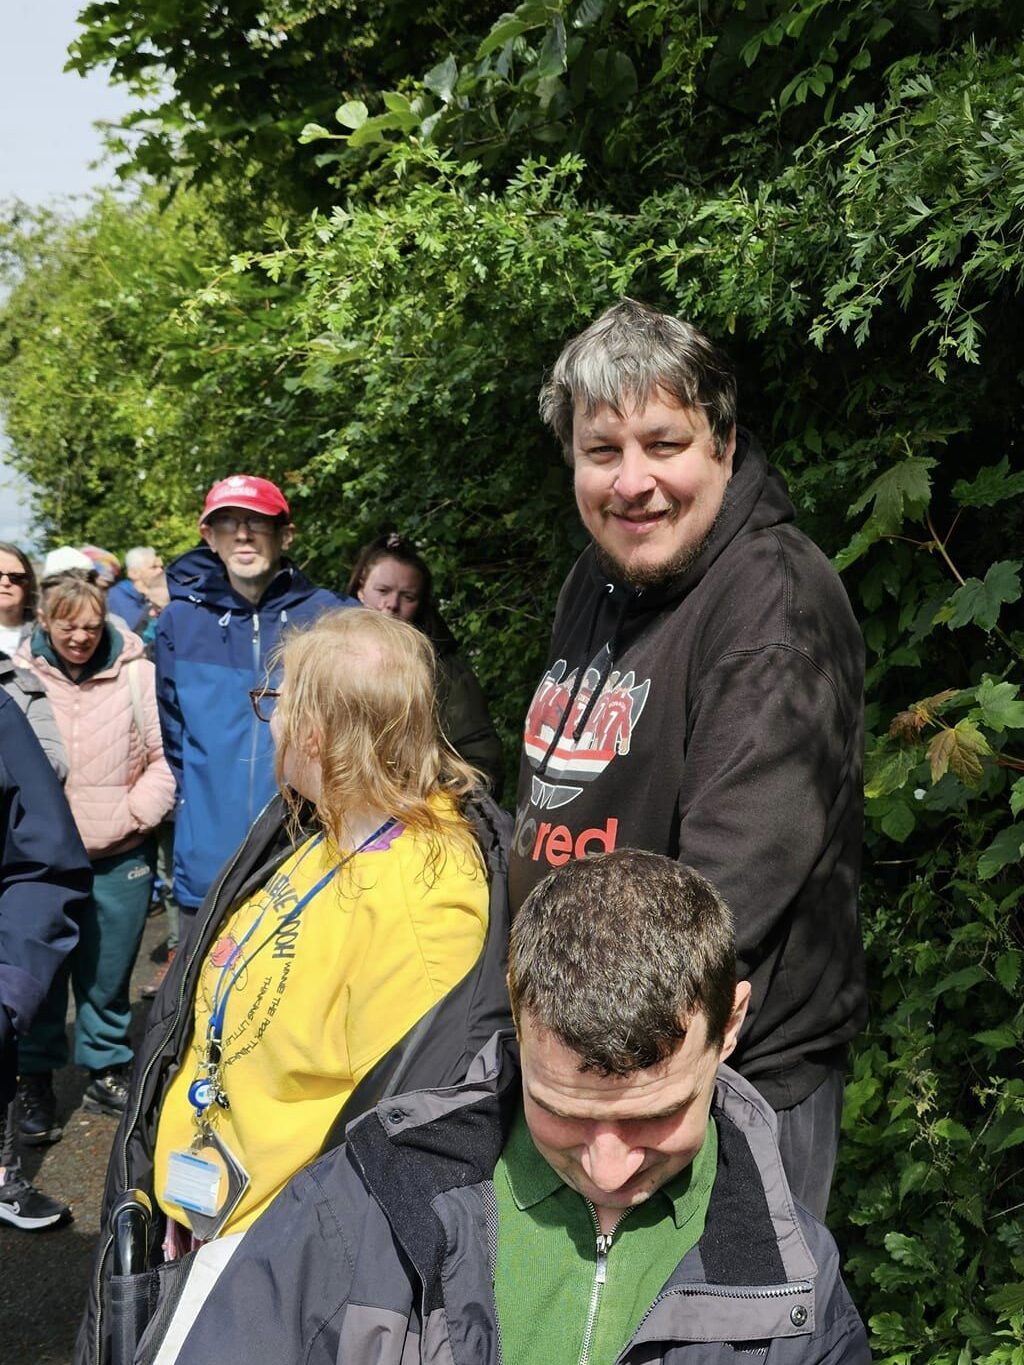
16	579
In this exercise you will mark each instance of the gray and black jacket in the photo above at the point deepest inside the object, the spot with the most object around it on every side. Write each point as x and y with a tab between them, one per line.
437	1050
384	1251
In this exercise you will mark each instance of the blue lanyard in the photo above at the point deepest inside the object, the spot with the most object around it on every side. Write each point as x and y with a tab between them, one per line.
222	991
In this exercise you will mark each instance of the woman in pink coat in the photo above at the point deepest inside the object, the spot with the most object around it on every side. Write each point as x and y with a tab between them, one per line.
103	696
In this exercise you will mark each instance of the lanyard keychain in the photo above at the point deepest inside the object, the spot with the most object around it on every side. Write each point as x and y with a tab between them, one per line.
208	1180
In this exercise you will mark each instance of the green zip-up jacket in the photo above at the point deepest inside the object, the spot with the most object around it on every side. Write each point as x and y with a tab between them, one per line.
384	1250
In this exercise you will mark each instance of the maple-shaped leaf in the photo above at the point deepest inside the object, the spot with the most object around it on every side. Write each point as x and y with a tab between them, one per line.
981	602
998	707
990	485
902	493
907	725
958	750
929	707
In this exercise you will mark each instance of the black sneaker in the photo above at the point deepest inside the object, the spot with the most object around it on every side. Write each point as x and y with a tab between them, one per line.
23	1206
37	1107
106	1093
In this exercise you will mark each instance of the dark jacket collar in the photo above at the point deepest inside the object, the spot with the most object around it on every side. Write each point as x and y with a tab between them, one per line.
198	576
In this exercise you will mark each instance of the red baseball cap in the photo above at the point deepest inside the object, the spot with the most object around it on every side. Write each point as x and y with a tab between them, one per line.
248	491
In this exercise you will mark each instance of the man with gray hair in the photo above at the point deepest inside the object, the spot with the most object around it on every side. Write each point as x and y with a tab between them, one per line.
614	1193
142	593
703	699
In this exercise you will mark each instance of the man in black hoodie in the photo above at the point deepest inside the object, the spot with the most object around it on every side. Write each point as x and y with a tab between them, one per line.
703	699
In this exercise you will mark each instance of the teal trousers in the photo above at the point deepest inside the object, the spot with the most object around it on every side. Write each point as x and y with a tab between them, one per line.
98	969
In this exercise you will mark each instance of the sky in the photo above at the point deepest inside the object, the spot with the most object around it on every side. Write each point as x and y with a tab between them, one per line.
47	145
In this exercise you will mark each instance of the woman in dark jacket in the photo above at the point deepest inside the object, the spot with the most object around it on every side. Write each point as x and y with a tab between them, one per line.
391	576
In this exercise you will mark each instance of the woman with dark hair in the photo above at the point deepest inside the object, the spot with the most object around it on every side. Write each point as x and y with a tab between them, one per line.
391	576
17	596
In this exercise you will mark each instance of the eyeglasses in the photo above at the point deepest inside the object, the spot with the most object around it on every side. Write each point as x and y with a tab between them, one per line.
260	696
16	579
256	524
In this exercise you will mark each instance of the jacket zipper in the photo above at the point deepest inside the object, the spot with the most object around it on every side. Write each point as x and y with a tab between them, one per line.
199	940
604	1243
255	723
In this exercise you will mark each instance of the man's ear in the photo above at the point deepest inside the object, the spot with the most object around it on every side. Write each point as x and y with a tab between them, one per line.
207	535
740	1004
287	535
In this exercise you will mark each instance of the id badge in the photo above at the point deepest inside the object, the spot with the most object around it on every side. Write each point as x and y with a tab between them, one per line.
207	1181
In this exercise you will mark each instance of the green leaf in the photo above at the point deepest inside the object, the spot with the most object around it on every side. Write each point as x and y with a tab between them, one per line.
991	485
1008	1299
979	603
951	1131
551	60
1008	969
1017	796
503	32
961	980
1013	1136
998	1038
1005	848
589	12
396	103
613	77
353	114
999	710
890	771
898	822
913	1177
441	79
314	131
909	1251
902	493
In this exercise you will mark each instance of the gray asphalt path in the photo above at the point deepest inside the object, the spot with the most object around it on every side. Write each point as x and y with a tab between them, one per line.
44	1275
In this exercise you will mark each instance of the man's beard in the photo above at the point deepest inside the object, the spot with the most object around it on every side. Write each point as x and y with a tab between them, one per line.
653	575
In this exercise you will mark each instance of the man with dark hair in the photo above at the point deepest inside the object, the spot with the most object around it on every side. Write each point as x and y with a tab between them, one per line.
703	699
622	1198
230	600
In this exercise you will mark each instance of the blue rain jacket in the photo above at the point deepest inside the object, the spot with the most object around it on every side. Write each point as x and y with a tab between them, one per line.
212	647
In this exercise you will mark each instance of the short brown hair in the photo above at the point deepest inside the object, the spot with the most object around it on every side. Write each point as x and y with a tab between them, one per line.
614	954
61	594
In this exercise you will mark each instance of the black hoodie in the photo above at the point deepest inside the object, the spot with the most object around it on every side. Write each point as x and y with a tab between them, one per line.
718	718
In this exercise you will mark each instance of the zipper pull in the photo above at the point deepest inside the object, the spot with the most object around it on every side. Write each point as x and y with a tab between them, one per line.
604	1244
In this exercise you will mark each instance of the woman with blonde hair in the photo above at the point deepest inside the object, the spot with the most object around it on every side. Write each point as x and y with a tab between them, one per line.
355	943
119	787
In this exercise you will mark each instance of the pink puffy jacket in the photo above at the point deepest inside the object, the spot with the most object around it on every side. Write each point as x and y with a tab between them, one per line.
116	797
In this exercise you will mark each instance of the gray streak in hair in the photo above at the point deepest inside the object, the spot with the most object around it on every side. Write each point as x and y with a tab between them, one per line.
627	353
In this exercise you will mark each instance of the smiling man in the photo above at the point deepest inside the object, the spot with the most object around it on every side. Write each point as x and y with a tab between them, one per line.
618	1196
230	600
703	699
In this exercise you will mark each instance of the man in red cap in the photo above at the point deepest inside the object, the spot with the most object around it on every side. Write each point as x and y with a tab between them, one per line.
230	600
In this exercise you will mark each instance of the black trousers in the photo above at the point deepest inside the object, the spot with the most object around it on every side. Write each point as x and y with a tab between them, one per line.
809	1139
